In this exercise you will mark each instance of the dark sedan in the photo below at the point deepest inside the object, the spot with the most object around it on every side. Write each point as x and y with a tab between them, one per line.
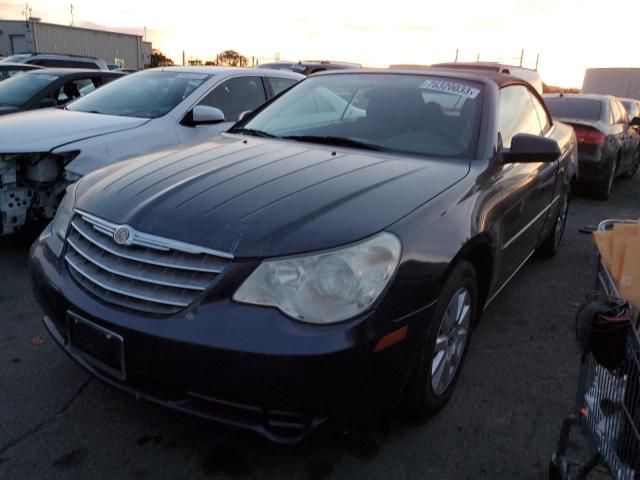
8	70
607	138
50	88
330	256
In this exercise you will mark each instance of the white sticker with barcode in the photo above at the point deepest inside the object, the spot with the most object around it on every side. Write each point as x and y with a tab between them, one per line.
453	88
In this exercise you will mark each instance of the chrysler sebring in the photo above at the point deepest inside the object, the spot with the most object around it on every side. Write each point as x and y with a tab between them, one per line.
315	262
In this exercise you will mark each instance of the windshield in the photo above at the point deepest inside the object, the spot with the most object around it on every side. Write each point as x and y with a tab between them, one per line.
148	94
580	108
425	115
18	90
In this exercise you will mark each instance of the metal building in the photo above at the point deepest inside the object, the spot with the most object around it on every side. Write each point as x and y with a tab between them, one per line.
621	82
126	50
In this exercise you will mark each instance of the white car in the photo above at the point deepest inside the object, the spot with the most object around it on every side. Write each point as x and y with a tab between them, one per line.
41	152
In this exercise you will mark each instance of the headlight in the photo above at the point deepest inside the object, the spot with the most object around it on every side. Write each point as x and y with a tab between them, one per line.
64	214
326	287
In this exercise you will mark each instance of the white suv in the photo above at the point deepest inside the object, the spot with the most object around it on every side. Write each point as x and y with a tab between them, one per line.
58	61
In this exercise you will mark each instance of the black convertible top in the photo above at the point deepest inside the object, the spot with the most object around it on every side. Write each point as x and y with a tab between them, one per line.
484	76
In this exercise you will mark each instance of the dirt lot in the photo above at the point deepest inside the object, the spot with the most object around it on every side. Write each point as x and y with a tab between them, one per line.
503	421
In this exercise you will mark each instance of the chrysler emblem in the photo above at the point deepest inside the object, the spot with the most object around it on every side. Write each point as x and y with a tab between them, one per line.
122	235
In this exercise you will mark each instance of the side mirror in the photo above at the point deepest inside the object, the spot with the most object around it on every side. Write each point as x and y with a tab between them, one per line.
204	115
526	148
47	103
244	114
635	122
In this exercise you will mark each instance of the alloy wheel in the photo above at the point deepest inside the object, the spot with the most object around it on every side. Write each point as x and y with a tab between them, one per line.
451	341
561	221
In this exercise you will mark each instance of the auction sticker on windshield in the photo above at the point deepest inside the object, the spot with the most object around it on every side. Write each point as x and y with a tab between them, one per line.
451	87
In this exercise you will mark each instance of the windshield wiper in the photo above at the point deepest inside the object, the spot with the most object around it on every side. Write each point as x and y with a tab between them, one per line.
253	132
337	141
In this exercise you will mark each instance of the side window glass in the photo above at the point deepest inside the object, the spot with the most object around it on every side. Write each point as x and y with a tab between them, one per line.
517	114
612	119
624	118
76	89
279	85
235	96
545	123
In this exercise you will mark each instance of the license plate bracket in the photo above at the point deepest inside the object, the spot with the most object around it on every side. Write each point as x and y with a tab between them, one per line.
99	346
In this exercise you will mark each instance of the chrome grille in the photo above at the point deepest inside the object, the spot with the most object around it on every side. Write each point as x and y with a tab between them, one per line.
150	274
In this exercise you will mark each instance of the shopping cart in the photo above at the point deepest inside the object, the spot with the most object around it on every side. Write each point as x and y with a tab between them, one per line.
607	408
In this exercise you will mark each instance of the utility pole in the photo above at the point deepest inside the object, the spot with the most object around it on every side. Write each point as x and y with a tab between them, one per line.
71	24
183	63
145	33
521	57
478	57
537	60
456	60
26	12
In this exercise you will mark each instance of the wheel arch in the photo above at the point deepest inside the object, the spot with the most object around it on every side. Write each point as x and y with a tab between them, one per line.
480	252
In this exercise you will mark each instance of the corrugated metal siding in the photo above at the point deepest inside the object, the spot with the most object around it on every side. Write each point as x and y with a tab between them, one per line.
107	45
621	82
9	28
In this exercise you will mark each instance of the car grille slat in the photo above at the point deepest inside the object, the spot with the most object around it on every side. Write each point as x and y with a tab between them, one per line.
140	276
175	259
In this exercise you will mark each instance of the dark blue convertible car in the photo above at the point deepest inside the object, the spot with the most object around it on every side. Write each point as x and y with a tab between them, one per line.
329	256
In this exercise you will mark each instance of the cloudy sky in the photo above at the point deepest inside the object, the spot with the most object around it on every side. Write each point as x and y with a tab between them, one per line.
569	35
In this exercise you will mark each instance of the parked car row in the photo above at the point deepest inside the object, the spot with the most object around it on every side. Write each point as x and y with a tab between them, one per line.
607	133
44	151
329	255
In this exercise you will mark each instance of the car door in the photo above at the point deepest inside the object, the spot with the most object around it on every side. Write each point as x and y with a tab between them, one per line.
233	96
621	132
527	188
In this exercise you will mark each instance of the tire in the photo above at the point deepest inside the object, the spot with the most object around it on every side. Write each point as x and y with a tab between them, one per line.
604	187
421	398
550	245
634	167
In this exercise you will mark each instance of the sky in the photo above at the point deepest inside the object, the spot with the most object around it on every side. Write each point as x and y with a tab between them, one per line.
569	35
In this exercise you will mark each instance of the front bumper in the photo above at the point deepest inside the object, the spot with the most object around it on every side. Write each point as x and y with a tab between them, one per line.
240	365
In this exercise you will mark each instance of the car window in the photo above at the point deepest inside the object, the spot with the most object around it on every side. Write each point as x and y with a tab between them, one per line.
4	74
543	116
571	107
278	85
517	114
148	94
612	119
236	95
75	89
622	113
417	114
20	89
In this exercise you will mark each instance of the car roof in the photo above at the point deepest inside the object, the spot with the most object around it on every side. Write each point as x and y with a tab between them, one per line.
483	76
54	55
586	96
624	99
26	66
74	71
210	70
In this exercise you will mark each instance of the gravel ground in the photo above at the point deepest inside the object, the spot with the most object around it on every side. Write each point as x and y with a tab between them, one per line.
503	421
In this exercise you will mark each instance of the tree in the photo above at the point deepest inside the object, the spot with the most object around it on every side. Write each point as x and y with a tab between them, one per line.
231	58
158	59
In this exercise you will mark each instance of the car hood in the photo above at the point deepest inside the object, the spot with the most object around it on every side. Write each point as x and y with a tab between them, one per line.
43	130
253	198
